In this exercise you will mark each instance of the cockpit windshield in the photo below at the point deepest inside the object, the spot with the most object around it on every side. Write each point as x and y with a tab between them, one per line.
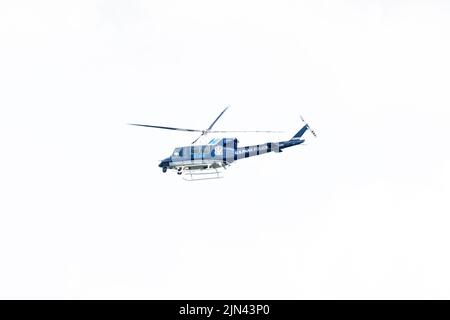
177	152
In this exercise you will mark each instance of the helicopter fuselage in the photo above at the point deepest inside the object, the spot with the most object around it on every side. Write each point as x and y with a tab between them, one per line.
219	153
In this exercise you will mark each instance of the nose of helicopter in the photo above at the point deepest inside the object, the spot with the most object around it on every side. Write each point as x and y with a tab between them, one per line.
164	163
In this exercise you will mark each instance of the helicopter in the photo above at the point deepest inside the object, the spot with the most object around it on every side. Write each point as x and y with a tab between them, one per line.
207	161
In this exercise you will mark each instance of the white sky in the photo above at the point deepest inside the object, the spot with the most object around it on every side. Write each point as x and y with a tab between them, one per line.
360	212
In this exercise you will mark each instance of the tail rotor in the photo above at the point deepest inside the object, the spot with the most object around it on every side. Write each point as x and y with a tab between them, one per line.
306	124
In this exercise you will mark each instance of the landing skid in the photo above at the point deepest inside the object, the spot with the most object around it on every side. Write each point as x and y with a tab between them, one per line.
204	174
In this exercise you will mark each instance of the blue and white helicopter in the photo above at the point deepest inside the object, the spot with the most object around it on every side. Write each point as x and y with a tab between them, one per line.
206	161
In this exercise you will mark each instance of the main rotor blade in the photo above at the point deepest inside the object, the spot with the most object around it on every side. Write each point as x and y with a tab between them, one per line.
167	128
257	131
197	138
228	131
210	127
214	122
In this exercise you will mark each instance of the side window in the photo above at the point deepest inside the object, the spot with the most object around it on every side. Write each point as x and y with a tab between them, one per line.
198	150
